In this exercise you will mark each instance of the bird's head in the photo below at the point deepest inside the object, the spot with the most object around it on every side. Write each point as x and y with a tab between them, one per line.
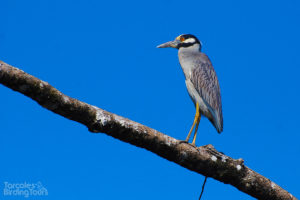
183	41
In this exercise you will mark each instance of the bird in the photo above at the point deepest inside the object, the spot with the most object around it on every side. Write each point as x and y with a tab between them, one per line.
201	81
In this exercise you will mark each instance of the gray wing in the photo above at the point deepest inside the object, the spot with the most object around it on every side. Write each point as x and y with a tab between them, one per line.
206	83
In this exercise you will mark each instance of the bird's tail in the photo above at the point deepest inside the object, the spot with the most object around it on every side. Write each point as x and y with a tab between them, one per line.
217	121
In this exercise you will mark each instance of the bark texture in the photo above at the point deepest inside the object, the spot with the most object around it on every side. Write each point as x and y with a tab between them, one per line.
205	160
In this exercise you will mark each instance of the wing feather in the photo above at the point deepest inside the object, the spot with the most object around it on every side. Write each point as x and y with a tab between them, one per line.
206	83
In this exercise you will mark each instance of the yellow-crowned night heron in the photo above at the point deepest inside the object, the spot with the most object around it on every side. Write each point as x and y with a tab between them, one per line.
201	81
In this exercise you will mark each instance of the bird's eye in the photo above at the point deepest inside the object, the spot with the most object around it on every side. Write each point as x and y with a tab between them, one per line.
181	39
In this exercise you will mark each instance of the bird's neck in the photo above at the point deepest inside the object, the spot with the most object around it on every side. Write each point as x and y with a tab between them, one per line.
194	48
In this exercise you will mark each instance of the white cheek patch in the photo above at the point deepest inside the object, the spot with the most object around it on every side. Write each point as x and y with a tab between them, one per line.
190	40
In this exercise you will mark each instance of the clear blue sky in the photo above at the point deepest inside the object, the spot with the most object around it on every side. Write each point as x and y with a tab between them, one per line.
104	53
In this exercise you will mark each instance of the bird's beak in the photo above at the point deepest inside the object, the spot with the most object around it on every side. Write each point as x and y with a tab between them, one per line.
172	44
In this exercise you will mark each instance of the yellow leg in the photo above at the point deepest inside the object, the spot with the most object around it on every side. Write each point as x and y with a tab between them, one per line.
196	129
195	121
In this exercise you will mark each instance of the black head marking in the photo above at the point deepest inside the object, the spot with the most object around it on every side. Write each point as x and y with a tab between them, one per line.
185	37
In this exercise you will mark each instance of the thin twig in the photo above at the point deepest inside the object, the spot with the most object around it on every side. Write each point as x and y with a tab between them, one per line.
203	187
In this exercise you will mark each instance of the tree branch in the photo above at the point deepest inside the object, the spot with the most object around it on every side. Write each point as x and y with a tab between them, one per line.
205	160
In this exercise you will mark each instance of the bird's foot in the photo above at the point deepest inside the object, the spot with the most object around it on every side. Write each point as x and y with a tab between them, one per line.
186	142
183	141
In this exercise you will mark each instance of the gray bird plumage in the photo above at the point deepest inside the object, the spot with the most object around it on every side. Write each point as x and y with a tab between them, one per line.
200	73
200	78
